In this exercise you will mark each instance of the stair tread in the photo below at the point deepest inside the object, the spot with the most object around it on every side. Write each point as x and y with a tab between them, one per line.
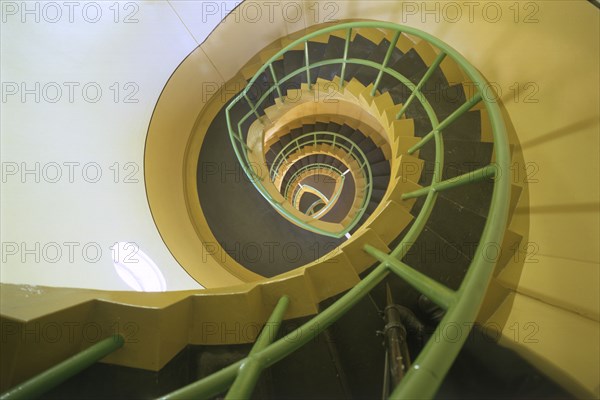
315	54
467	127
292	60
334	49
366	75
410	65
359	48
455	223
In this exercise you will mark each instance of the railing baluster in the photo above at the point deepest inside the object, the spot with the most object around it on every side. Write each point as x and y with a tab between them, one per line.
346	46
250	369
450	119
436	63
307	65
251	106
385	61
276	82
470	177
438	293
239	139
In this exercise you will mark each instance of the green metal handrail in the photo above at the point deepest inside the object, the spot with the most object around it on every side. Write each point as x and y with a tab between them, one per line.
310	167
344	143
320	137
329	203
332	201
40	384
341	141
318	193
311	209
237	134
462	305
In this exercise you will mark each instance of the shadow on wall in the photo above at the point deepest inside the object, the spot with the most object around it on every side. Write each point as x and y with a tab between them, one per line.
559	133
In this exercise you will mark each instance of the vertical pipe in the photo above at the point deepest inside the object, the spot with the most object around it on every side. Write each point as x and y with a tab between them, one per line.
395	337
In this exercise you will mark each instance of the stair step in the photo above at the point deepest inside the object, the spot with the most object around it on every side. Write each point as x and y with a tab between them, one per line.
359	48
467	127
381	168
374	156
462	156
354	249
443	101
335	49
292	60
409	65
366	75
455	223
438	258
315	54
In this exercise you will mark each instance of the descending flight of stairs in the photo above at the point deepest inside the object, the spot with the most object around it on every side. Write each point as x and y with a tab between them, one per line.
347	360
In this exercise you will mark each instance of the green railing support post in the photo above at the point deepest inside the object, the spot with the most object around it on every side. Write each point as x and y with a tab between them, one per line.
251	106
54	376
239	139
465	179
450	119
385	61
438	60
438	293
276	82
307	65
251	368
346	46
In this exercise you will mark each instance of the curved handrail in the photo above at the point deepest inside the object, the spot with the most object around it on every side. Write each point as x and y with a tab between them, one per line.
312	190
329	203
332	201
316	166
462	305
311	209
342	142
349	146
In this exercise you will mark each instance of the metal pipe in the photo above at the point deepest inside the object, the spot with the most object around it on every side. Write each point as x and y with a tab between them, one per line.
385	61
450	119
424	80
465	179
395	336
54	376
346	46
251	368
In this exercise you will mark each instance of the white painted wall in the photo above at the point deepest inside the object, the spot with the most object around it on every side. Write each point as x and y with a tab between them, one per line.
58	43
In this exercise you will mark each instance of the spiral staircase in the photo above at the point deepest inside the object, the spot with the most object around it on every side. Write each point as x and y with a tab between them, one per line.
367	152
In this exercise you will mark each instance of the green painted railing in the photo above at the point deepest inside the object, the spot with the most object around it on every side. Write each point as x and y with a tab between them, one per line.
311	209
317	192
336	140
54	376
462	305
316	167
329	203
